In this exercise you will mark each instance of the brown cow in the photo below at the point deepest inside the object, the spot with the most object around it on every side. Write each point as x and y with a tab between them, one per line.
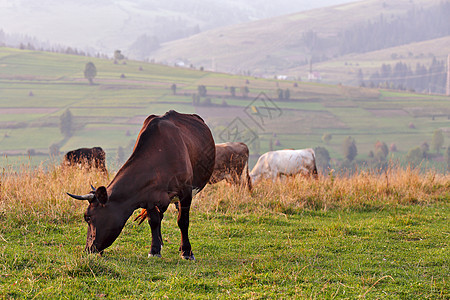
231	164
172	159
87	157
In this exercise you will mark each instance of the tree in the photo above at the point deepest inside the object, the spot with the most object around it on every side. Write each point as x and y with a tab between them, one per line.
425	148
448	158
280	94
437	140
201	90
90	71
66	123
287	94
381	151
173	87
322	158
414	156
349	148
326	138
245	91
195	99
233	91
54	150
118	55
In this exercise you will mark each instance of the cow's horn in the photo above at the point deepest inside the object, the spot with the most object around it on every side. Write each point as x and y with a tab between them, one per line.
93	188
88	197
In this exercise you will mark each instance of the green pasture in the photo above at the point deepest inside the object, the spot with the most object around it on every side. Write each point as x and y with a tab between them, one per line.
399	253
104	112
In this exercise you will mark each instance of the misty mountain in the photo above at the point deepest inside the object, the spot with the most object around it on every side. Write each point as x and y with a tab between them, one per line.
134	26
284	44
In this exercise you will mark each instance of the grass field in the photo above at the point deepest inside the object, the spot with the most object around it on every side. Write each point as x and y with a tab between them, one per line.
37	87
366	236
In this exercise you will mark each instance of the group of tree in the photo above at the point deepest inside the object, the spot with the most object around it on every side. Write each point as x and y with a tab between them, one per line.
244	90
26	42
418	24
402	77
201	93
283	94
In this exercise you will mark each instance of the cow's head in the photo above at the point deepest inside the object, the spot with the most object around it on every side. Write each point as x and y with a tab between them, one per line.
105	221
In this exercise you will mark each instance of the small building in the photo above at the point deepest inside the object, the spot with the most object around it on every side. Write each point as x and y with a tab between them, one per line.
314	76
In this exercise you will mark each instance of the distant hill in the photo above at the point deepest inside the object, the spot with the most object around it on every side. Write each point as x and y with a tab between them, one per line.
134	26
285	45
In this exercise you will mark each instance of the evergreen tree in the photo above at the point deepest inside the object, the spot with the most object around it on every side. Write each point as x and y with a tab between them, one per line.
280	94
349	148
66	124
244	91
287	94
233	91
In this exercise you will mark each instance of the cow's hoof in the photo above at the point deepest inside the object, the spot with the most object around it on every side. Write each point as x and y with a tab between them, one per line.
155	255
188	257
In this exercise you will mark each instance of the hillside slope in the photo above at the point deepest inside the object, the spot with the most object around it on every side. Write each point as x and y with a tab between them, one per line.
344	69
274	46
36	88
109	25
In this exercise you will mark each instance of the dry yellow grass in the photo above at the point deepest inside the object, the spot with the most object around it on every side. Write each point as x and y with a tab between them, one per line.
41	193
364	190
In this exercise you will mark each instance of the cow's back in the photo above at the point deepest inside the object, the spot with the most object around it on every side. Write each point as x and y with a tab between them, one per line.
231	160
174	145
285	162
90	157
200	145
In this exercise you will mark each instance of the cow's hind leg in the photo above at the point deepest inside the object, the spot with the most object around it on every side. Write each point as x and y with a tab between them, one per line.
155	217
183	224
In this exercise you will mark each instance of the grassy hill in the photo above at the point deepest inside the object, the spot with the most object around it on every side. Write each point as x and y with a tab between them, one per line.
36	88
274	46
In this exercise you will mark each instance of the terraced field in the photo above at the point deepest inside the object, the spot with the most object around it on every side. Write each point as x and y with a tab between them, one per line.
36	88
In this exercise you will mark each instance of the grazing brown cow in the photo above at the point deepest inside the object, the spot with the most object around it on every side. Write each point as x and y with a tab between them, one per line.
231	164
86	157
172	159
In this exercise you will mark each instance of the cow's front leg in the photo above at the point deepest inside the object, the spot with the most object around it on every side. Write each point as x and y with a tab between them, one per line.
155	217
183	224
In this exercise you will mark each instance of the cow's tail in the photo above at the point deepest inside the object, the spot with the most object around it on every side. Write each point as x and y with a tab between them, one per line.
314	171
246	176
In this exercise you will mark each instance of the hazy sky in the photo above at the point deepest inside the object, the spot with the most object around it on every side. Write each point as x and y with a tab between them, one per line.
105	25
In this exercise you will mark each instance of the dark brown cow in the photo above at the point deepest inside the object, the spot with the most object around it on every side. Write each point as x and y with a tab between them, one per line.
172	159
231	164
89	157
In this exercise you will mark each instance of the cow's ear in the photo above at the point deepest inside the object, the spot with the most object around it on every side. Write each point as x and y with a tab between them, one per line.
101	195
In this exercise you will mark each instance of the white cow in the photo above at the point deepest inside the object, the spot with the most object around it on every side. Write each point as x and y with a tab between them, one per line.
274	164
